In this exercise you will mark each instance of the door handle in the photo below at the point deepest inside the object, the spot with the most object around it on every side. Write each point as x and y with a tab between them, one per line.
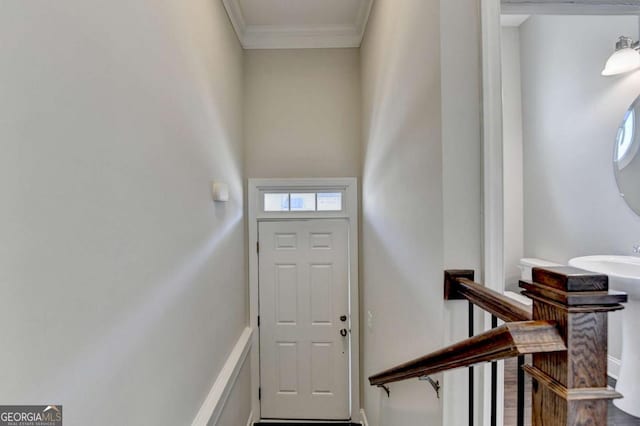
343	332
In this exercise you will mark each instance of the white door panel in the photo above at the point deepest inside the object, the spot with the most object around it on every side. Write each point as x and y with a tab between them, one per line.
304	290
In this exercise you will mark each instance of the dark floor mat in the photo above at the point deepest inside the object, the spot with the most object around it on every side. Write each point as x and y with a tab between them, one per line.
308	424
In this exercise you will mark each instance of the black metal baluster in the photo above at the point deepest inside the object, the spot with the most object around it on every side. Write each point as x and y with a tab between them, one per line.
494	382
471	380
520	411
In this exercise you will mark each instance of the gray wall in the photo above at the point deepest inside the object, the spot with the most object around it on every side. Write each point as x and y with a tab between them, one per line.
402	203
571	115
123	285
421	190
461	178
302	113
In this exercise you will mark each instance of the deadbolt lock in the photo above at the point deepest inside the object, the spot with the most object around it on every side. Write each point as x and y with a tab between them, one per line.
343	318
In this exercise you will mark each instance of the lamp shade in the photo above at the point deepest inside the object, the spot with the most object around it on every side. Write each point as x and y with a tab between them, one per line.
623	60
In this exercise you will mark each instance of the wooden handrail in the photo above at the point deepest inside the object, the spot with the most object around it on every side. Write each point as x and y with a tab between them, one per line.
459	284
509	340
567	333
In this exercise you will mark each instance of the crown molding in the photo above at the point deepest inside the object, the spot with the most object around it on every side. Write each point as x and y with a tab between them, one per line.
234	11
297	37
276	37
363	17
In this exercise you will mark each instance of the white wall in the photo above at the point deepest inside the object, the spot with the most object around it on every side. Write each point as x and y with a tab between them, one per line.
571	115
512	154
123	285
302	113
402	248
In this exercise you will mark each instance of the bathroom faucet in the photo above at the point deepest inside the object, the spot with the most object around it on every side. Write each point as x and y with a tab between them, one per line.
636	249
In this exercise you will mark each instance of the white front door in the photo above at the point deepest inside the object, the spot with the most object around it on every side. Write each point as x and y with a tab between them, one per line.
304	319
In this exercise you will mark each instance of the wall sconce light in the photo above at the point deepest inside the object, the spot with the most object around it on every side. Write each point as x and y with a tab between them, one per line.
626	57
220	191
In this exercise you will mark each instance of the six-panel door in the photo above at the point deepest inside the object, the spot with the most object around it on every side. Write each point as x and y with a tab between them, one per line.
304	299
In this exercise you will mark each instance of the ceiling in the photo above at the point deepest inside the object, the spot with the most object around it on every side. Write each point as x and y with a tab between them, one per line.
513	20
295	24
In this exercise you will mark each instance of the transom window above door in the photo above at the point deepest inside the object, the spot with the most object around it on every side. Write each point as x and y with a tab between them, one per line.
302	201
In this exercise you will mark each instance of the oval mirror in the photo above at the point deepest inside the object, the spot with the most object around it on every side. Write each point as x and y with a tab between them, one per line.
626	157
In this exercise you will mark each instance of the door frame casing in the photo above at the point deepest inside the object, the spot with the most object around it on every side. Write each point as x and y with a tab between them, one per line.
492	142
350	213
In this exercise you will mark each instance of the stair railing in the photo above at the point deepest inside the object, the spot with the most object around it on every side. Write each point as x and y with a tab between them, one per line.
565	331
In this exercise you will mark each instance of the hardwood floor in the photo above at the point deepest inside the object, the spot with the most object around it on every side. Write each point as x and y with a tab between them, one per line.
615	417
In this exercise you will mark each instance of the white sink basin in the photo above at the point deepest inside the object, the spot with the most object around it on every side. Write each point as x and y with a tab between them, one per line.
623	271
624	275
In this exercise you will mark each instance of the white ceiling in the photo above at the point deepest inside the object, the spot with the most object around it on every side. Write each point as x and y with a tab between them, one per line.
513	20
291	24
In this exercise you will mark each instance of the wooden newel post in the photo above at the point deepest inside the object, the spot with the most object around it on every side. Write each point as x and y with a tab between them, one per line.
570	388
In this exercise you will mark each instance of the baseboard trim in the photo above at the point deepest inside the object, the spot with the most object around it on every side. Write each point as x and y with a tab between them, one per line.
214	403
613	367
363	416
